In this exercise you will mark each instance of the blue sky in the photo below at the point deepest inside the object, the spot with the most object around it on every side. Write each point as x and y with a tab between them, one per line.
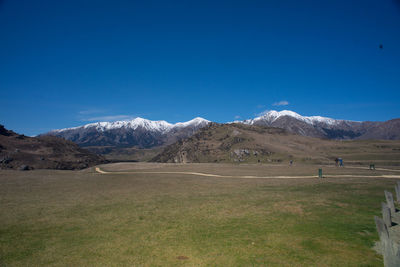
68	63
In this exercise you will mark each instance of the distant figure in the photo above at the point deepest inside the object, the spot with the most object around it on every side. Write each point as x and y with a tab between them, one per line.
336	162
291	162
340	162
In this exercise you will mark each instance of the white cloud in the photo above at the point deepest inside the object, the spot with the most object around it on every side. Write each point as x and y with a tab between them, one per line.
281	103
109	118
237	117
91	111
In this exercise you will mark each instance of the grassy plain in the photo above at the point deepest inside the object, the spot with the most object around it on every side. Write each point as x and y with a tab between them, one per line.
83	218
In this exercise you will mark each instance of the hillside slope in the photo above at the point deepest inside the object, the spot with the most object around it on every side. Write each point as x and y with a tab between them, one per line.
250	143
46	152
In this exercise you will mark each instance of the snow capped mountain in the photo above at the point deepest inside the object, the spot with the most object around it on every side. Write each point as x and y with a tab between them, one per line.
314	126
154	126
195	122
138	132
274	115
143	133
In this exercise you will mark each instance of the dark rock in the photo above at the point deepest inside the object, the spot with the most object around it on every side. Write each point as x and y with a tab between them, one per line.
24	168
6	160
5	132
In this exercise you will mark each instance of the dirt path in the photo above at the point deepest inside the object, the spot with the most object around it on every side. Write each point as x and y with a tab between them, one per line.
377	169
98	170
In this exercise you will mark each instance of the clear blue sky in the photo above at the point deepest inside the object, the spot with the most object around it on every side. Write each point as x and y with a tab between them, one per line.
68	63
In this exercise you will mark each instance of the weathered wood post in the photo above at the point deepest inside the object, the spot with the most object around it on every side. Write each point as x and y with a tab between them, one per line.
390	202
397	188
390	250
382	230
387	218
389	240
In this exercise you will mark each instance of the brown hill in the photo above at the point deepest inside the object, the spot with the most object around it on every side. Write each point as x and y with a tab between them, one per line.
388	130
46	152
245	143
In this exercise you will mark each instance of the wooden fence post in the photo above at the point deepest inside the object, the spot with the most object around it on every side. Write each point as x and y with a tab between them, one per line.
390	203
387	218
389	241
397	188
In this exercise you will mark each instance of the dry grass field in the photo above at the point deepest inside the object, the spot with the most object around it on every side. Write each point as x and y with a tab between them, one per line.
148	214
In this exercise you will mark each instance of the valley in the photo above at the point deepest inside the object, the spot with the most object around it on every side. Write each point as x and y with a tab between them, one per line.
143	193
145	214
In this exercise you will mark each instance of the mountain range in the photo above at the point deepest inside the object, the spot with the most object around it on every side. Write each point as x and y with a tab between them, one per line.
139	132
143	134
322	127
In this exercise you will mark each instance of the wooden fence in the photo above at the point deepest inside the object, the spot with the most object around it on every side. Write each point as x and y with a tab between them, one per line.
388	228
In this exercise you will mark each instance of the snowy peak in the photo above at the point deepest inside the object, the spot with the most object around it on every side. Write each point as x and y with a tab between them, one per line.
153	126
139	132
273	115
143	133
156	126
195	123
313	126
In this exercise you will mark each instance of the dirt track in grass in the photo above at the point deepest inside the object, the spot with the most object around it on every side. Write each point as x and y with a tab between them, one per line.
137	168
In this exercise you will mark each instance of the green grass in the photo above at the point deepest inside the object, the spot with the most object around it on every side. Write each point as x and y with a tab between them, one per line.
79	218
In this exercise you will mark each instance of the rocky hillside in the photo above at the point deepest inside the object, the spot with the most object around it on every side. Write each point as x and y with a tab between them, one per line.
46	152
237	142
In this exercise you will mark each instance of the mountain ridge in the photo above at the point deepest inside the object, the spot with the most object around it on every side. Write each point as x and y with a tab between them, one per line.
273	115
324	127
141	133
135	123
